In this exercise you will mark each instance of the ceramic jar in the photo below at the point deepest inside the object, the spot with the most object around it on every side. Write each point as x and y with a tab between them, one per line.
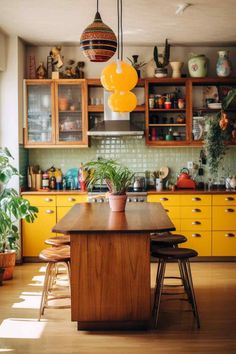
176	68
198	65
223	65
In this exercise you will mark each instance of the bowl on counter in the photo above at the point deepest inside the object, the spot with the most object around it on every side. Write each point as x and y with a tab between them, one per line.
214	105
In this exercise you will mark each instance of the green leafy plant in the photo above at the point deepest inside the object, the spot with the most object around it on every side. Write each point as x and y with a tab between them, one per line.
165	57
134	62
117	177
215	138
12	206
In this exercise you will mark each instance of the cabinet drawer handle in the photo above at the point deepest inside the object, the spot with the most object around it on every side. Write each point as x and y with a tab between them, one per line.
71	199
49	211
196	223
196	210
229	210
229	235
163	199
48	199
228	199
196	199
196	235
167	210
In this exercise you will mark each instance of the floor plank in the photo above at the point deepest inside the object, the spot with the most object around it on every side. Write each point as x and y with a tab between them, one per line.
215	286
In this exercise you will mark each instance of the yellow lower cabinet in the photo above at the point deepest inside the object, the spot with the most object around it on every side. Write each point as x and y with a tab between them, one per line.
195	212
71	199
62	211
224	218
224	243
34	234
164	199
196	224
199	241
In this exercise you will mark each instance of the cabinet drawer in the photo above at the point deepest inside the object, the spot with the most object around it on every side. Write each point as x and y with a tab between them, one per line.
199	241
195	224
164	199
172	211
195	199
176	223
71	199
224	218
196	212
41	200
224	243
224	199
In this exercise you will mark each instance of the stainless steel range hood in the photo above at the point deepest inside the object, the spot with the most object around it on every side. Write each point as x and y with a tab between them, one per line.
114	124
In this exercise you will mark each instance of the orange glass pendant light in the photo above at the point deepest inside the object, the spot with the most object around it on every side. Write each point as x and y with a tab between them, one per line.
122	101
98	42
114	78
120	77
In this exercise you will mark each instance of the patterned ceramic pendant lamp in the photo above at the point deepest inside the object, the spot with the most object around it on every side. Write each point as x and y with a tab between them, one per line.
98	42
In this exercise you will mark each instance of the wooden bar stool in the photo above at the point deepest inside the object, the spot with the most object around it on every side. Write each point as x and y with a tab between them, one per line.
181	255
58	240
166	239
53	256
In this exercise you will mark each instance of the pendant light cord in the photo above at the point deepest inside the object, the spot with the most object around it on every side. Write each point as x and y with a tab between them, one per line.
120	29
97	5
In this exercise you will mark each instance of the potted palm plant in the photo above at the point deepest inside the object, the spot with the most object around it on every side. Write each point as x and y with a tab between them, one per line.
12	209
117	178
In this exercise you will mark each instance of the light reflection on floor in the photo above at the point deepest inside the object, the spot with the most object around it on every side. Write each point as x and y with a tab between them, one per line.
29	328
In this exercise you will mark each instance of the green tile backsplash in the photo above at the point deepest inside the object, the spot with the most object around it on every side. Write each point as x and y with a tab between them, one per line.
131	151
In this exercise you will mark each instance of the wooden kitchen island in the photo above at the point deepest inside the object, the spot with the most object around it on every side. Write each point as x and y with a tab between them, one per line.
110	263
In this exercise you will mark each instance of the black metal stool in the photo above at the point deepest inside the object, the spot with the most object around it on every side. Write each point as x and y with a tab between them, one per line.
181	255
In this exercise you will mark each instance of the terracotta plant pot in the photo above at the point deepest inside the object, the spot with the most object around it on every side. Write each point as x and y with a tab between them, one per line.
8	261
117	202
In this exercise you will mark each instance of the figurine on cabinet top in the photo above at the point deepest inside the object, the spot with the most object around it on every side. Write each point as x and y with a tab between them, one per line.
56	58
79	73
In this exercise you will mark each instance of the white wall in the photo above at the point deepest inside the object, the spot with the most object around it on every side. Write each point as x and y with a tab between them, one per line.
11	99
2	51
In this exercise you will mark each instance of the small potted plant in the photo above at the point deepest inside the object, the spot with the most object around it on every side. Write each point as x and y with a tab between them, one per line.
161	70
137	65
12	209
117	178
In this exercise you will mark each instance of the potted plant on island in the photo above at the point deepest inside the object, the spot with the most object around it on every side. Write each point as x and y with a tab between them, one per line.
219	131
117	178
12	209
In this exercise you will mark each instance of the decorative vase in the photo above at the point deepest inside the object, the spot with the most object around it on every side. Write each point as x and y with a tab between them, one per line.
223	65
8	261
198	65
117	202
176	67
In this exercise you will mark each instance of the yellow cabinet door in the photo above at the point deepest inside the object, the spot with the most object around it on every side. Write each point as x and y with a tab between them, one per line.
196	224
224	199
71	199
224	218
34	234
199	241
224	243
62	211
173	211
195	212
164	199
41	200
195	199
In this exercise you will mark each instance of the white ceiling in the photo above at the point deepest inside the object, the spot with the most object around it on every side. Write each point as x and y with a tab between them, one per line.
145	22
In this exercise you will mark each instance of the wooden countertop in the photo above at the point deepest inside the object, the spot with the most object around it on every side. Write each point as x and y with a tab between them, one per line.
90	217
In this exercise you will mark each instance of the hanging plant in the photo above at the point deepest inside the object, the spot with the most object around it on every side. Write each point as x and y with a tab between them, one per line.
219	132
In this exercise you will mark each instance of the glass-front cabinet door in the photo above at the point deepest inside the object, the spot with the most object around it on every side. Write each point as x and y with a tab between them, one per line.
71	108
40	121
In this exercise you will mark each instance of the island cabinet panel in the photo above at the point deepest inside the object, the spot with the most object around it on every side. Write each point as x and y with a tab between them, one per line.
111	278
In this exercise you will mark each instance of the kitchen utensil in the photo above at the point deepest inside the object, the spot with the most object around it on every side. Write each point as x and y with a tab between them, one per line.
164	171
184	180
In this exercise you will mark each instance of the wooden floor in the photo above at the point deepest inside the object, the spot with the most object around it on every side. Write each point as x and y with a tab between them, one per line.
215	286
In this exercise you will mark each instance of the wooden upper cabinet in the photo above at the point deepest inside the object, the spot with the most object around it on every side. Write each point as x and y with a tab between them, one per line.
167	124
56	113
